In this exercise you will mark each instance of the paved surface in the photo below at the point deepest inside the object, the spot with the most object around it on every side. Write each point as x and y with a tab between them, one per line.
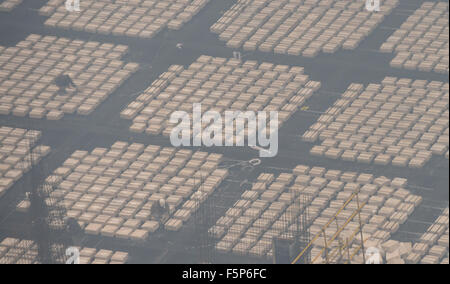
104	126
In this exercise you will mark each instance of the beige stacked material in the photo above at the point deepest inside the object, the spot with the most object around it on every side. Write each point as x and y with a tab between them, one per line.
432	247
421	43
9	5
402	122
298	27
28	72
16	251
110	191
138	18
15	158
386	205
269	209
390	252
265	211
102	256
221	85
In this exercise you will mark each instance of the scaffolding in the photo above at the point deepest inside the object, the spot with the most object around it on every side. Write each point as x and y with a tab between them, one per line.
206	215
46	213
296	234
257	229
337	248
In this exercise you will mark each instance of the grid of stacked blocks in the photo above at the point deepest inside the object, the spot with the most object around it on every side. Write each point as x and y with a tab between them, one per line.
299	27
29	69
15	147
401	121
110	192
421	43
133	18
17	251
265	211
220	84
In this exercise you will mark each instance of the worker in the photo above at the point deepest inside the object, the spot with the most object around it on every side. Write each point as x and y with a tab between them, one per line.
73	227
63	82
160	211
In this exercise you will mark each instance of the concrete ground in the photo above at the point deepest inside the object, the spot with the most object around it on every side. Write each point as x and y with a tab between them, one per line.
104	126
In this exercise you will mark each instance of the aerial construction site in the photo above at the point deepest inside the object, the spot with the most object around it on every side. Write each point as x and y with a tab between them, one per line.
224	132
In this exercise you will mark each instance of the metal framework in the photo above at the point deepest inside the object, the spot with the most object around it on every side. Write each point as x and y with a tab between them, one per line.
46	214
291	227
342	253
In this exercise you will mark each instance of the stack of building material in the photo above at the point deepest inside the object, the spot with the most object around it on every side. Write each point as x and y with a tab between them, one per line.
28	72
421	43
102	256
394	252
272	206
16	251
139	18
432	246
400	121
111	191
220	85
15	155
298	27
9	5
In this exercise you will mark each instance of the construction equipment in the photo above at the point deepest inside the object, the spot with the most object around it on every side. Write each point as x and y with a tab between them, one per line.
46	214
340	254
